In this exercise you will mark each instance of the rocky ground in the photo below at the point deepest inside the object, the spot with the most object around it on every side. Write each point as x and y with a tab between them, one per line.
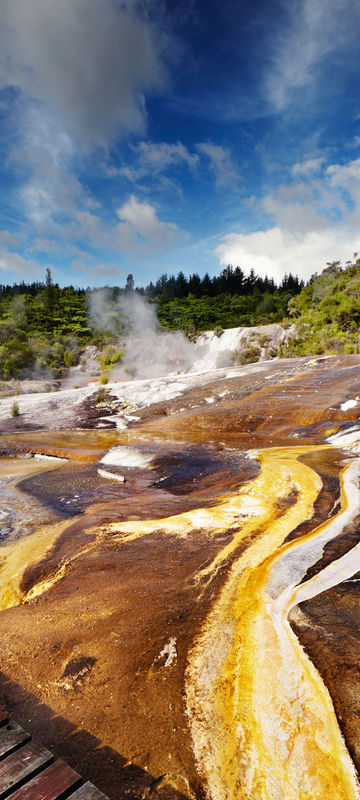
110	605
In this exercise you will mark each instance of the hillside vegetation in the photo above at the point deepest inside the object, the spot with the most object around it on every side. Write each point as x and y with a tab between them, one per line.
327	312
44	328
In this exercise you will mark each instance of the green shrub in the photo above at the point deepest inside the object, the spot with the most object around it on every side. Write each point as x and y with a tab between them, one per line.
104	378
247	355
109	356
69	358
263	339
15	410
15	356
100	396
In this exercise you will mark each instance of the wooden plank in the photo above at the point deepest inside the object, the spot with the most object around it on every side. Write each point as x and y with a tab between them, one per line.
88	792
3	717
22	764
50	784
12	736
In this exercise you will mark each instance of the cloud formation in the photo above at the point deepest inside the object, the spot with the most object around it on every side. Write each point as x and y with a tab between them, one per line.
139	224
313	31
159	156
25	268
137	231
90	63
220	162
277	252
307	167
153	159
51	190
313	223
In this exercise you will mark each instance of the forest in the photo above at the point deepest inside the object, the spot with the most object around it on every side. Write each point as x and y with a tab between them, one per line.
45	327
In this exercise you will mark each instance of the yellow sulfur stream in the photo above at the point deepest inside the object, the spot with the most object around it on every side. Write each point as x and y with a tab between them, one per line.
262	721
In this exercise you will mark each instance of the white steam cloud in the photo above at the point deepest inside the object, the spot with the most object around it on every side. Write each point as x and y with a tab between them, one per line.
149	351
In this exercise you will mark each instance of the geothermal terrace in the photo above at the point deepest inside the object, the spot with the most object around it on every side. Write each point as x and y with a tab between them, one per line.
180	578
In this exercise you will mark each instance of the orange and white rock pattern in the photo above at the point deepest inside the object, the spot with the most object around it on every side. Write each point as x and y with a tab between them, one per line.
151	629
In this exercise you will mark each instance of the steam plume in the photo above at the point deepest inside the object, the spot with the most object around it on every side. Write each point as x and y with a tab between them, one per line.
149	351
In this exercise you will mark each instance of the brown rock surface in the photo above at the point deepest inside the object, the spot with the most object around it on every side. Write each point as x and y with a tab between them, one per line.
95	648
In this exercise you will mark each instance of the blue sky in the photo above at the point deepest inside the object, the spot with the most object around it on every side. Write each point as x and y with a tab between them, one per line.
150	136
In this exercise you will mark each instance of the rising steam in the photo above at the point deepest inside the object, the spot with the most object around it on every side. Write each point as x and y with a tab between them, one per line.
149	351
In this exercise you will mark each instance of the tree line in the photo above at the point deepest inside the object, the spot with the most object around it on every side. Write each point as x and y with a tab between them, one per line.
231	281
45	327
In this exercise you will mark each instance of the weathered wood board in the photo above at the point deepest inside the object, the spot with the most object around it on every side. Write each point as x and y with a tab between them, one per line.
30	772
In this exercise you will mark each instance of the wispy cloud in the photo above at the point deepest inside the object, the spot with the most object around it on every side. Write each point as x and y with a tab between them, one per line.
308	167
220	162
312	32
22	267
50	190
162	155
97	269
9	239
152	160
354	144
155	159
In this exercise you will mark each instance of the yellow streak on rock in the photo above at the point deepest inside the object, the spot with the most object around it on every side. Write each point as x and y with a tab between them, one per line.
262	721
245	512
17	556
263	724
15	559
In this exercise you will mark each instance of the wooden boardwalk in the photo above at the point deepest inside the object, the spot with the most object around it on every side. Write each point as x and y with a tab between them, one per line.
30	772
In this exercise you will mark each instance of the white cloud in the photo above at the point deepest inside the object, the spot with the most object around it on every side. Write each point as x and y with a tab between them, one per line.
307	167
138	230
24	267
43	245
162	155
315	29
345	175
313	223
346	178
153	159
51	190
277	251
298	208
62	249
85	226
140	223
89	62
220	162
9	239
82	69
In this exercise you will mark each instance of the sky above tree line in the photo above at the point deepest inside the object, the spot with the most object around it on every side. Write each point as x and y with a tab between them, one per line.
159	136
